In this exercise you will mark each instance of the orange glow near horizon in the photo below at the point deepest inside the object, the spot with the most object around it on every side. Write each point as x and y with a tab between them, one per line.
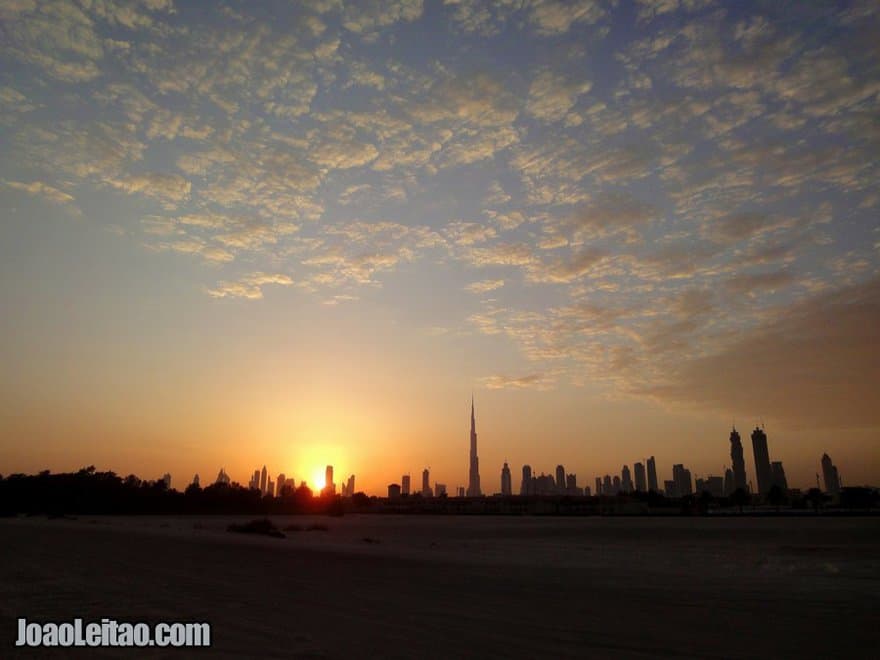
404	433
322	258
318	480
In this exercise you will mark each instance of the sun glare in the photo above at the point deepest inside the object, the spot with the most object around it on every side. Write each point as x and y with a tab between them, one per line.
318	480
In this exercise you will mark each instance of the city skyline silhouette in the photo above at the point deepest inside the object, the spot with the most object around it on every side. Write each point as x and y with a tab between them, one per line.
734	477
302	234
441	328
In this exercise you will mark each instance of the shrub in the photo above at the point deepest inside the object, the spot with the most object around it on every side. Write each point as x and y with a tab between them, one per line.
262	526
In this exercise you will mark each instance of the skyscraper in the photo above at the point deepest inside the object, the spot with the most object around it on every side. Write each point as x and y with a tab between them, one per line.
652	475
404	485
426	483
682	477
830	475
598	486
738	463
505	480
560	479
474	474
778	474
264	475
728	482
763	471
607	487
329	486
279	484
641	482
712	485
626	484
526	485
544	484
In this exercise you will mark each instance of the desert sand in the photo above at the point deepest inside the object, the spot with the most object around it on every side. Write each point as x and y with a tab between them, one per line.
460	587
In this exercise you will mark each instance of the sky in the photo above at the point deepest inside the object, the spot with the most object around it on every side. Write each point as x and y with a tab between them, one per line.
245	233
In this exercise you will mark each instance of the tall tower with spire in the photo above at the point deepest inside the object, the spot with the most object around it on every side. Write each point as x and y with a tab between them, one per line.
474	474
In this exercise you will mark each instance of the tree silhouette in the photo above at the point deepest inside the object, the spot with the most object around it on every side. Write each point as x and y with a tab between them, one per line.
815	497
740	498
360	500
857	497
776	496
704	502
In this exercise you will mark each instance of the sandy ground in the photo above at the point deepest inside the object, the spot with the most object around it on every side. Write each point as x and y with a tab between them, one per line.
460	587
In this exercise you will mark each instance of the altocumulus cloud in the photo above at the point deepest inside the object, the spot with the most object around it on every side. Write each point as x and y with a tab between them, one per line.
661	187
249	286
539	381
484	286
41	189
817	364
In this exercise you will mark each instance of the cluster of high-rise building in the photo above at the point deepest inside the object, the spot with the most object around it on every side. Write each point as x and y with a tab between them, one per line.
547	484
642	477
645	479
404	488
262	481
348	487
768	473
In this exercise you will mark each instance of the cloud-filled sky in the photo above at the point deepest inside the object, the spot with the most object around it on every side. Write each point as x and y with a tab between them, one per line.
239	233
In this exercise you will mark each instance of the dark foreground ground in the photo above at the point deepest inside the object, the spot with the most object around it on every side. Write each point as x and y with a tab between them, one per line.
460	587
